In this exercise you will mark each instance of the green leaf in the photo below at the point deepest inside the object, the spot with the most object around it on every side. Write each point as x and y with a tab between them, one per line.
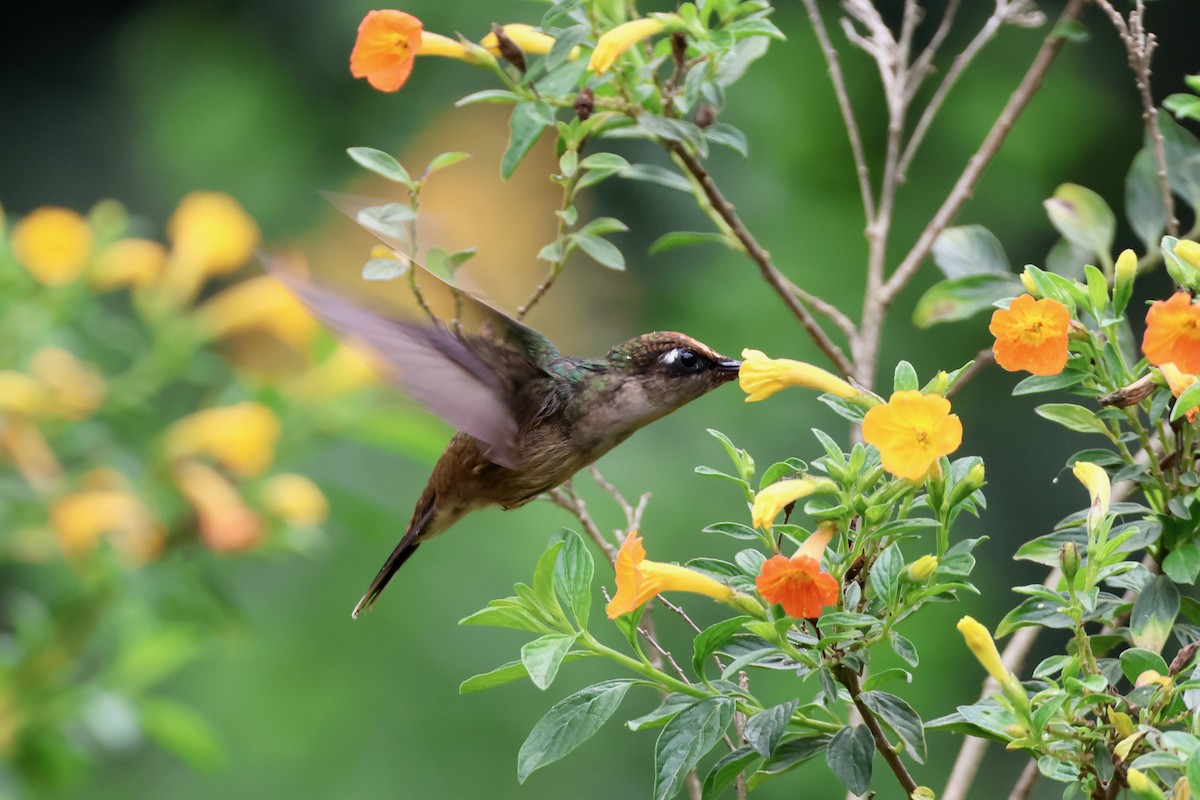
604	161
710	639
602	251
789	755
1144	199
728	136
735	530
389	221
1182	564
506	673
604	225
443	160
544	581
1097	287
1036	384
1072	417
905	649
1083	218
675	239
726	770
671	705
904	721
543	656
182	732
1188	399
962	298
1183	159
685	739
656	174
1154	613
507	613
674	130
569	723
1137	660
849	755
573	576
154	656
884	578
764	731
489	96
1193	772
1183	106
529	119
380	163
970	250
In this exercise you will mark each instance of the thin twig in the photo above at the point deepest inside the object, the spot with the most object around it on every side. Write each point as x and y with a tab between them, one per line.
1024	785
983	359
759	256
565	497
1003	125
861	168
1139	46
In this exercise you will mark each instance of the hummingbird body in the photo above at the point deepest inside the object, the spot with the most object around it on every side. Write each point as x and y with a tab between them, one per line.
528	417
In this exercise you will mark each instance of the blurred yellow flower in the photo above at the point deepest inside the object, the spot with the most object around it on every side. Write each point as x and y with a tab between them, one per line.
762	376
75	390
1189	251
226	523
613	44
640	580
210	235
912	431
128	262
526	37
21	393
52	244
79	519
240	437
24	443
771	500
345	370
260	303
296	500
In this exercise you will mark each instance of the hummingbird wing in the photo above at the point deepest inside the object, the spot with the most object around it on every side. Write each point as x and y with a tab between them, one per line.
459	357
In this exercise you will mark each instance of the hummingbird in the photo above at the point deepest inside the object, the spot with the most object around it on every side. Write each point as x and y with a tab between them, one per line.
528	417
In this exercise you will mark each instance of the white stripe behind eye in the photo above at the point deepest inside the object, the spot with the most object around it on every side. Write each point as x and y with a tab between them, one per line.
670	357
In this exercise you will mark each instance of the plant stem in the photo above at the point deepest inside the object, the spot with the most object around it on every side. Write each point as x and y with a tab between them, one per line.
849	679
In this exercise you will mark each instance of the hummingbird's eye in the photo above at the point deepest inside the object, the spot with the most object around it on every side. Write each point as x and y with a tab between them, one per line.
682	359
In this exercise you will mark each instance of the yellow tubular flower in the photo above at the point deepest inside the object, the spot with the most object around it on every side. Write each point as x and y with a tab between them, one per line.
613	44
1142	786
30	452
129	262
345	370
639	580
1095	480
922	568
21	393
762	376
52	244
1189	252
771	500
80	519
260	303
984	648
75	389
226	523
210	235
434	44
296	500
526	37
240	437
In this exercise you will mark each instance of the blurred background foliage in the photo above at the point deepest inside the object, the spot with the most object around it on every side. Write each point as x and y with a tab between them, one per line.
145	102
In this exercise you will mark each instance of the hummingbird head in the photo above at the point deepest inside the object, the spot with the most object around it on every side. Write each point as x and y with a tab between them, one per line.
672	369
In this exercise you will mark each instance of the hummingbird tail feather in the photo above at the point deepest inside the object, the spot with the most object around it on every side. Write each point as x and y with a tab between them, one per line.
408	545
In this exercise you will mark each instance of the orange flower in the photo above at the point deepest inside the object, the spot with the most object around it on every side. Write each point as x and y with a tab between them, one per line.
798	582
1173	333
226	523
912	431
1178	381
1031	335
640	581
386	46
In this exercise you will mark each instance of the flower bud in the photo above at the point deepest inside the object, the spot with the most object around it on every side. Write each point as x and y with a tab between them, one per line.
1126	271
1142	786
1189	252
1029	283
921	569
1068	560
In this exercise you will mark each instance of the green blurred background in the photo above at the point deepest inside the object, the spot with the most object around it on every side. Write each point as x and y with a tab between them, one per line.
145	101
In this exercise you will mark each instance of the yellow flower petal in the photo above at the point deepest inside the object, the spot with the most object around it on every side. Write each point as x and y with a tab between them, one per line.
771	500
984	648
922	568
344	371
210	235
21	393
434	44
1189	251
81	518
52	244
526	37
129	262
912	431
615	42
76	390
260	303
240	437
1095	480
296	500
226	523
761	376
1126	267
639	580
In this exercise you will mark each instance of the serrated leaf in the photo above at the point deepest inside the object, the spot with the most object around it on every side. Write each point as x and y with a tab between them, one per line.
380	163
849	756
685	739
962	298
543	656
764	731
904	721
970	250
569	723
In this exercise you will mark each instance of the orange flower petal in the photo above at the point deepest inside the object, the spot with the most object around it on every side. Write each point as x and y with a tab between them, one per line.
1031	335
386	46
798	584
1173	333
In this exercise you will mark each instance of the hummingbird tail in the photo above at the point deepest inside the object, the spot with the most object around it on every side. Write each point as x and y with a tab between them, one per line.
408	545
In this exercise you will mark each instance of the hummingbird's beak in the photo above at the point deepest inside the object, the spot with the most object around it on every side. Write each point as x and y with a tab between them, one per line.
729	365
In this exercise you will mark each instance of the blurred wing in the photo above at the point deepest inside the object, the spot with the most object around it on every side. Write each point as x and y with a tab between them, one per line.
457	356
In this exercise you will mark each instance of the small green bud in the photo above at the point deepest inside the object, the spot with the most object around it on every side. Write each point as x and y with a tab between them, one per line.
1068	560
1126	271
